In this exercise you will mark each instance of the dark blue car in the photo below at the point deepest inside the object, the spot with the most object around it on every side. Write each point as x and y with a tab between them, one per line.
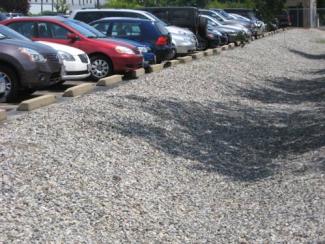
148	32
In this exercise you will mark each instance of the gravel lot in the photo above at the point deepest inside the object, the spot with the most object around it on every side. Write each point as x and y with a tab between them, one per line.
227	149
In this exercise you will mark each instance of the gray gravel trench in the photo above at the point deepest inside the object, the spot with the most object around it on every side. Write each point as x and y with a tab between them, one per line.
226	149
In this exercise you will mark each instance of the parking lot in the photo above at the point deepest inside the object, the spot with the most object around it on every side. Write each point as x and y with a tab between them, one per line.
225	149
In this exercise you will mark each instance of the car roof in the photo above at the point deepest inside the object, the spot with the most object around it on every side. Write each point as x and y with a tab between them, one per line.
108	9
55	18
125	18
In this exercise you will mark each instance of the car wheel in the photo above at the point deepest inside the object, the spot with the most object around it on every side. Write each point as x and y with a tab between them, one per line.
101	67
173	52
9	84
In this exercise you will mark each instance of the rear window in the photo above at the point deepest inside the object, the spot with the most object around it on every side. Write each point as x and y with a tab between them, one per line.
162	29
126	29
88	17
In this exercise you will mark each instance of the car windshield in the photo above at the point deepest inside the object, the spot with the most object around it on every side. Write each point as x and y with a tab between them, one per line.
225	14
8	33
84	29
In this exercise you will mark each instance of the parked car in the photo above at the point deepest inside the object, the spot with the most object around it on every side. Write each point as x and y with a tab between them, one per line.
76	63
284	19
183	40
147	32
107	56
233	33
25	65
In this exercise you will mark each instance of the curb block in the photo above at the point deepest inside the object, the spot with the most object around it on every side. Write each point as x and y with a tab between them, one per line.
155	68
197	55
37	102
137	73
171	63
3	115
216	50
237	43
110	81
231	45
225	47
208	52
253	38
78	90
185	59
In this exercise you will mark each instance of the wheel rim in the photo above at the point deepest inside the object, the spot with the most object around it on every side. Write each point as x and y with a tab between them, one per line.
5	79
100	68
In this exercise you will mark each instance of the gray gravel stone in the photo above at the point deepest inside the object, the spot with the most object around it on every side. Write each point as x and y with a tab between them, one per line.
226	149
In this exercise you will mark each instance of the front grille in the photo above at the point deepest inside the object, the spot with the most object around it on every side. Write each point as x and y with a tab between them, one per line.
83	58
52	57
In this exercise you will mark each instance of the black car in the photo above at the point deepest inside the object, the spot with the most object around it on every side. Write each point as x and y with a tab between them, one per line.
148	32
25	65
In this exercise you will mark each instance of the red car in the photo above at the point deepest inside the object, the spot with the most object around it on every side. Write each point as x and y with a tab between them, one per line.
107	56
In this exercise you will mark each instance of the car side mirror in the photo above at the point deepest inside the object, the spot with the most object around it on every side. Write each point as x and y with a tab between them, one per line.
73	37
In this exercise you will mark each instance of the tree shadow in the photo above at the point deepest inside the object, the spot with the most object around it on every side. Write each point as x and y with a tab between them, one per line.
287	91
233	140
307	55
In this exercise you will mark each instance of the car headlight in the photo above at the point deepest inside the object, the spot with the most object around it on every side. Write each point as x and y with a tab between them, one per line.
33	55
66	56
143	49
123	50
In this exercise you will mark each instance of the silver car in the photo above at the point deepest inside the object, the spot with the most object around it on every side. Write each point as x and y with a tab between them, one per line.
184	40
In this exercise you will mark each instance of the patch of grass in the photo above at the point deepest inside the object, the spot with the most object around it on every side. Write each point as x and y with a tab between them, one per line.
321	41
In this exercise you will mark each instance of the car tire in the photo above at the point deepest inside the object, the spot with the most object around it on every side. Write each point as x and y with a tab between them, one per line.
8	76
174	52
101	66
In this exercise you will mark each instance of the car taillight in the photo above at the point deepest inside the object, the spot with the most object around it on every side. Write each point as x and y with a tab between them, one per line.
161	41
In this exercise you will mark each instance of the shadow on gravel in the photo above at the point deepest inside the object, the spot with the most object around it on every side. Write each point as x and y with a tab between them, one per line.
287	91
307	55
233	140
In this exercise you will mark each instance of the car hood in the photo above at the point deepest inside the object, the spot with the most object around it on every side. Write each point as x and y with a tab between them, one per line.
59	47
116	42
41	48
134	43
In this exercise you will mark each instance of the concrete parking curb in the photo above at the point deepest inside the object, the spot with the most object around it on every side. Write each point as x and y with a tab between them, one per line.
171	63
237	43
110	81
185	59
197	55
208	52
37	102
78	90
225	47
231	45
253	38
155	68
3	115
137	73
216	50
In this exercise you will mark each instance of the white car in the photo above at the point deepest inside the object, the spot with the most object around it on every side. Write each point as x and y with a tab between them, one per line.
76	63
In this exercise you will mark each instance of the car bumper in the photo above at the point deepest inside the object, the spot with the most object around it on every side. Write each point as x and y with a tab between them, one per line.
185	48
127	63
75	70
41	75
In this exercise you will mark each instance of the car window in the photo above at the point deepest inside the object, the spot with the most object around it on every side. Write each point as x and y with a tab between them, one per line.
84	29
51	30
161	27
88	17
101	26
27	28
125	29
10	33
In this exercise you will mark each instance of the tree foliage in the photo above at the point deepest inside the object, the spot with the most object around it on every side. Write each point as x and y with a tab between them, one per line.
268	8
61	6
20	6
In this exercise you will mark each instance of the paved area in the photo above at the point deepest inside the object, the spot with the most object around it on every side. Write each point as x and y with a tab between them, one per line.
226	149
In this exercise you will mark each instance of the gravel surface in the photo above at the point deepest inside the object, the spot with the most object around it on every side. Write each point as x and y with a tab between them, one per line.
226	149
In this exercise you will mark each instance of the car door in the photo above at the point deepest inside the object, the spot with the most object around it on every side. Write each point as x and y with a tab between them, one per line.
52	32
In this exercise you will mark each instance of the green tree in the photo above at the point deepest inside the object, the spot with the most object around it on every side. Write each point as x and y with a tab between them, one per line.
61	6
21	6
269	9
